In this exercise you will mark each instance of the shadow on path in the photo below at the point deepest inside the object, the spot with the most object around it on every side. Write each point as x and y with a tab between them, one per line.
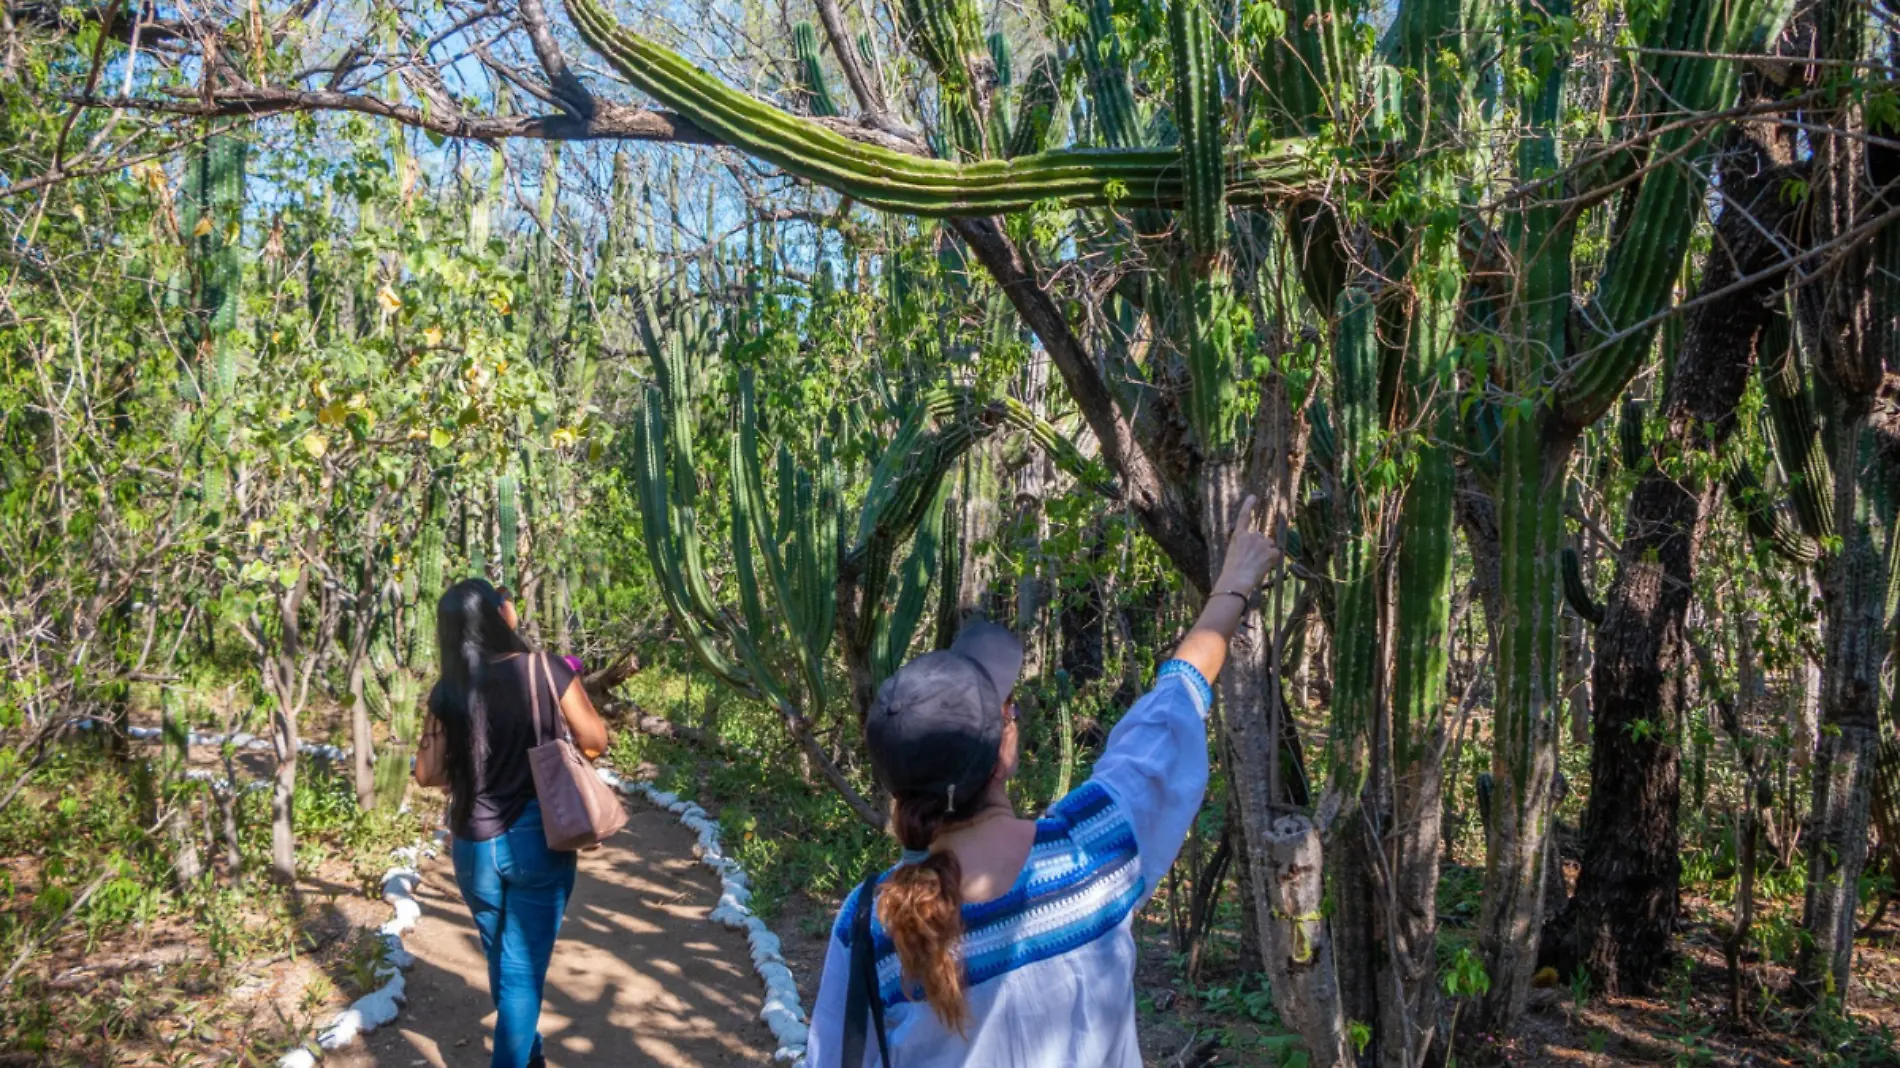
640	976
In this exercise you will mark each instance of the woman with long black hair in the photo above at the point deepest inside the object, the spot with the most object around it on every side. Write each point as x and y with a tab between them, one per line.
481	724
999	941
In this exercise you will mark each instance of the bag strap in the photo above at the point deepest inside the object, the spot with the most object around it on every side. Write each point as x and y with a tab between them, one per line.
534	697
860	998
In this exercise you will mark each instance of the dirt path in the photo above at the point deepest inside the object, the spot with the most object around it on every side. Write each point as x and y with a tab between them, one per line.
640	976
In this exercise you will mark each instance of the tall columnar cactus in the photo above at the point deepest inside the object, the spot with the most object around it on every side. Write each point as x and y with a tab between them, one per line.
1112	96
430	559
508	522
216	190
1839	517
947	34
1355	562
1635	284
799	579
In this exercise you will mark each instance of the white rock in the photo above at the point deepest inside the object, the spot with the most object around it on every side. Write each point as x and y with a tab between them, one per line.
298	1058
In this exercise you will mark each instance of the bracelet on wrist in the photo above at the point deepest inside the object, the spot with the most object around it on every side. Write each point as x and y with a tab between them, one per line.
1246	602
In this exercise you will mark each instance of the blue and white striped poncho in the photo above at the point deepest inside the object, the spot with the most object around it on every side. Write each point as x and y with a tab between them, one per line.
1051	963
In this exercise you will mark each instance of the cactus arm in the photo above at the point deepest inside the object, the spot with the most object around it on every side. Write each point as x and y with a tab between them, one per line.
1311	62
793	586
657	531
898	627
950	571
674	414
1067	458
1037	110
945	35
747	640
1110	91
508	522
898	182
1197	115
811	73
1645	262
1577	592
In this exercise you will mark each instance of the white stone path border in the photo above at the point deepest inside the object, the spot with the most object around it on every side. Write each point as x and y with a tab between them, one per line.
381	1005
782	1012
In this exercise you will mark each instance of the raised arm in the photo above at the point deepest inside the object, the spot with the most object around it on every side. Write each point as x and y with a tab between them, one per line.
1249	556
1155	762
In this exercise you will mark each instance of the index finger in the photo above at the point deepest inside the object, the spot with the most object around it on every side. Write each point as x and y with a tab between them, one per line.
1243	519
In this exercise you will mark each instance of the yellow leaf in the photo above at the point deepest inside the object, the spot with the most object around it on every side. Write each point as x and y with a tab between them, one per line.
563	437
388	299
316	444
79	212
433	335
203	228
255	530
321	389
330	415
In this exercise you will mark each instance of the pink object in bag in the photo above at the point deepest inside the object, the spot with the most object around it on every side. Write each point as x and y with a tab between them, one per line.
578	810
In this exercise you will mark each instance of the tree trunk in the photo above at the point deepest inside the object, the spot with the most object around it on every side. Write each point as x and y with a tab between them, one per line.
186	863
362	764
1283	876
283	840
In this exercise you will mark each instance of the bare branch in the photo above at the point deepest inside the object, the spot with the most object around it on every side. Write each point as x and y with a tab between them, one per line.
571	94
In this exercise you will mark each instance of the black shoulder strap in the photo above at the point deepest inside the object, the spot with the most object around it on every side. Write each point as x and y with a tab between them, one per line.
860	999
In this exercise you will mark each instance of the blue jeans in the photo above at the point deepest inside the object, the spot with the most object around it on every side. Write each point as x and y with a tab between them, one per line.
516	888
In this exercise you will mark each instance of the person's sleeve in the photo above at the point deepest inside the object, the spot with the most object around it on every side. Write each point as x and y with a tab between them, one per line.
824	1042
1155	765
559	673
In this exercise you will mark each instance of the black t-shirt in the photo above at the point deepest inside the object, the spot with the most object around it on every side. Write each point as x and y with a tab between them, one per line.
504	783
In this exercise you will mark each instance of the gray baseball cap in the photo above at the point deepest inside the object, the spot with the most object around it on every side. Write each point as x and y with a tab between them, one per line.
937	723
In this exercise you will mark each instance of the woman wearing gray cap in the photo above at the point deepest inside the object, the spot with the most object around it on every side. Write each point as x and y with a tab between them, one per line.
1007	942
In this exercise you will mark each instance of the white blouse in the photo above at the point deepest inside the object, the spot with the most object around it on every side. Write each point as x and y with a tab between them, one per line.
1050	965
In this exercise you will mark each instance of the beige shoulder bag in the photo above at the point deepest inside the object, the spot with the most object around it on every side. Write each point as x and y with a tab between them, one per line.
578	810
